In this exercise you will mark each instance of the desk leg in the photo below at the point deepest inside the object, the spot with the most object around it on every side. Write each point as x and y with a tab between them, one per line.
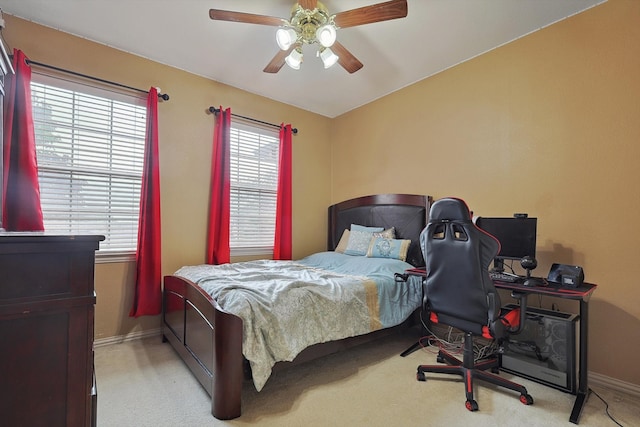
411	349
583	386
417	344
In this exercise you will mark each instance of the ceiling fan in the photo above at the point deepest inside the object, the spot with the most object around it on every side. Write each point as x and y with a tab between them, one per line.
311	23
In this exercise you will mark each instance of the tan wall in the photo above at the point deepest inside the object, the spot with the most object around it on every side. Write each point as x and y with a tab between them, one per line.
548	124
185	141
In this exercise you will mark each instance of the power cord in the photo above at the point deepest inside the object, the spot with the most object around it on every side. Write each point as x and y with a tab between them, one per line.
453	342
606	408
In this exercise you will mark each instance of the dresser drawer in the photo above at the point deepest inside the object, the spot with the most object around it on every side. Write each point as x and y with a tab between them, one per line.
47	267
34	275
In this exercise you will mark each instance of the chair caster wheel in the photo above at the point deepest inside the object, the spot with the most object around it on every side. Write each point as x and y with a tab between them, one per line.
440	359
471	405
526	399
420	376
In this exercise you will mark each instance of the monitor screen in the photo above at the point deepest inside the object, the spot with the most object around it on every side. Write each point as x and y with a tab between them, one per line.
517	236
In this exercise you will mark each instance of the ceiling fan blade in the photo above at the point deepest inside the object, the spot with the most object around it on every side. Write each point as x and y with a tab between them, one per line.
249	18
346	58
375	13
308	4
278	61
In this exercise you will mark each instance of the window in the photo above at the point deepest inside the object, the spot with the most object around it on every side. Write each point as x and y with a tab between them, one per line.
90	151
254	187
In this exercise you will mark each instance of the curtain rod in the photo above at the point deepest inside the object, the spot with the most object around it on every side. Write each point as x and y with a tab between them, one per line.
215	110
163	96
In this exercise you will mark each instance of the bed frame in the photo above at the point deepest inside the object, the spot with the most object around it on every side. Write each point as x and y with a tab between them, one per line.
209	340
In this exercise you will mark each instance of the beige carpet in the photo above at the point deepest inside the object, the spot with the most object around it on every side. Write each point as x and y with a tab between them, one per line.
144	383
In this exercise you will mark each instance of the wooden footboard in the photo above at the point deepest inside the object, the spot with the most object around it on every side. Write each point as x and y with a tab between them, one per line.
209	341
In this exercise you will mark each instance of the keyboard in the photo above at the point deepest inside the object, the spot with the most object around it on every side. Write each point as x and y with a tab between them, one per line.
504	277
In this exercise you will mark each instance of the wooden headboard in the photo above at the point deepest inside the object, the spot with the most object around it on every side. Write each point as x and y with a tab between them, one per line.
408	213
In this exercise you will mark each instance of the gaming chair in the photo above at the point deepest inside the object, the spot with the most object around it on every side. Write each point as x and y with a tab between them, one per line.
459	293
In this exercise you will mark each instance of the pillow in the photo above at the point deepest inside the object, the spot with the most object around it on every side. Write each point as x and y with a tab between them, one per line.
358	243
357	227
360	237
389	233
342	244
379	247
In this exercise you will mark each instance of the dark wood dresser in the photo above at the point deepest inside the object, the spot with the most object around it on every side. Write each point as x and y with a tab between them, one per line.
47	303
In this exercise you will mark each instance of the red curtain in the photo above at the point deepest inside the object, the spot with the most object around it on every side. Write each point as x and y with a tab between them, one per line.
282	245
218	251
148	291
21	209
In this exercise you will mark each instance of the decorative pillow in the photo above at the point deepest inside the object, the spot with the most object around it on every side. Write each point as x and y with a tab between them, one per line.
357	227
389	233
380	247
360	237
342	244
358	243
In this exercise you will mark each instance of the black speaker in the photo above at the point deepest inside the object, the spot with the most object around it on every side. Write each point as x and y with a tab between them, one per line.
570	276
545	350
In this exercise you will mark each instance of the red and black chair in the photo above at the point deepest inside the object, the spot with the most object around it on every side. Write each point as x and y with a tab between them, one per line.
459	293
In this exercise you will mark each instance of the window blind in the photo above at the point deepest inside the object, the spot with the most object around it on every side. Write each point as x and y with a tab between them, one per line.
90	153
254	186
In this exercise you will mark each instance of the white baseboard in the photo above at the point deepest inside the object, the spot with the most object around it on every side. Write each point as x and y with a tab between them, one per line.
614	384
118	339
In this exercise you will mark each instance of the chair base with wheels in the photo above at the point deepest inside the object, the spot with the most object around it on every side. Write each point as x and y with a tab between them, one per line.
469	370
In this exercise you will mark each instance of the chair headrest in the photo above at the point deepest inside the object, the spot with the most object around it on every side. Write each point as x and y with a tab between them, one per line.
449	209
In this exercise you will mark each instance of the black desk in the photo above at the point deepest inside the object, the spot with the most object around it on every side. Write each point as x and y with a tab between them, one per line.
582	294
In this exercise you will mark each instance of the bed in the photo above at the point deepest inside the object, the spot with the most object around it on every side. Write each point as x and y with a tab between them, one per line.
209	338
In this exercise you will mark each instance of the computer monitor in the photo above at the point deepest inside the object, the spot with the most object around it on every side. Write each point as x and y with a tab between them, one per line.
517	237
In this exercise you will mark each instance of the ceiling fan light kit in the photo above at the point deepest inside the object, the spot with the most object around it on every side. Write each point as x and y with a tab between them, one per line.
308	26
311	23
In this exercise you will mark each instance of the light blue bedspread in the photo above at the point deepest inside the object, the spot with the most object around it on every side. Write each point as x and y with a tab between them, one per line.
286	306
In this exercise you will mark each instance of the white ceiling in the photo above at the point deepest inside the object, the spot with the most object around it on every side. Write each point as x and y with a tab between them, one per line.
436	35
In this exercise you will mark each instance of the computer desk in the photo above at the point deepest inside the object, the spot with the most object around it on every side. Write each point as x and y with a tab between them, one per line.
583	294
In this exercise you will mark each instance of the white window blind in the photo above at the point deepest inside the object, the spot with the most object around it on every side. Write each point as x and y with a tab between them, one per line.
90	153
254	186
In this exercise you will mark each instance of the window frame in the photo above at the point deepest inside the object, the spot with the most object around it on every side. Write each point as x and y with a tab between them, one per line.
267	135
138	104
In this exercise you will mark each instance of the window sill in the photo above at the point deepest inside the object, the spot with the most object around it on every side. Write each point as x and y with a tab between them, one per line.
109	257
236	252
